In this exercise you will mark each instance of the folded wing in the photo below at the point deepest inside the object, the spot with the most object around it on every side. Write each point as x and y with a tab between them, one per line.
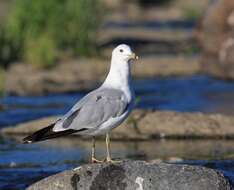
93	110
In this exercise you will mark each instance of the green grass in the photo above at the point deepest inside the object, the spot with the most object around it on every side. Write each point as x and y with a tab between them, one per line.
41	52
38	32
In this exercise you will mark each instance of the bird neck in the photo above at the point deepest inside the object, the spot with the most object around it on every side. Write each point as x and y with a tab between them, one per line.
119	75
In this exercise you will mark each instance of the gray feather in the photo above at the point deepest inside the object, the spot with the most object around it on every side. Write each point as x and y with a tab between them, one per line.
94	109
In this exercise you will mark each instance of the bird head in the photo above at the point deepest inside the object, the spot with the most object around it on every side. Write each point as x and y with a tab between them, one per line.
124	53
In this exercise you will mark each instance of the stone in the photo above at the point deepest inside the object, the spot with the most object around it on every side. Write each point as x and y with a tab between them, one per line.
149	124
135	175
24	79
83	75
217	40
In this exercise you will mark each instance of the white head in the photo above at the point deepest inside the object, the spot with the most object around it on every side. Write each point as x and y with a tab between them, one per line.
120	73
123	53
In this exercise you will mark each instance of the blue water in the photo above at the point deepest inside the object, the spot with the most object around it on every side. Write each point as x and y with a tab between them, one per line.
21	165
197	93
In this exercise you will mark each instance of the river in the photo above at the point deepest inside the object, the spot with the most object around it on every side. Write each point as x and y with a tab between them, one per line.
21	165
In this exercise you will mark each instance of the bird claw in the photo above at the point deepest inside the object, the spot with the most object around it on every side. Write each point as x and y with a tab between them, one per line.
109	160
78	168
94	160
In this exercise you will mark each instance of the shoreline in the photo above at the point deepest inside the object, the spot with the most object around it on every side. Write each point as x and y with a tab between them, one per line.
85	74
148	125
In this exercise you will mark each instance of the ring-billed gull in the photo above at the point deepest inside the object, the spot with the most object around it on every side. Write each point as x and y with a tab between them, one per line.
101	110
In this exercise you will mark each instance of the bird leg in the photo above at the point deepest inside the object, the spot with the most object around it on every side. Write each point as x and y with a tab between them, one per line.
93	159
108	156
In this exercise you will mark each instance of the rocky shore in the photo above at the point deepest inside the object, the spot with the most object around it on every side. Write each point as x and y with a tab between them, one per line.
135	175
76	75
145	125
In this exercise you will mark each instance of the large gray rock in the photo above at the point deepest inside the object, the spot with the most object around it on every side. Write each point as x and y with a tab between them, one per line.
135	175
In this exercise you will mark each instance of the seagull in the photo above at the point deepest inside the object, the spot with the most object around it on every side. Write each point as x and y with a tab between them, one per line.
102	109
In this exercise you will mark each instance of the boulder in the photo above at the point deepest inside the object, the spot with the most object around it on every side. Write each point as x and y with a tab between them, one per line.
217	40
135	175
2	107
24	79
149	124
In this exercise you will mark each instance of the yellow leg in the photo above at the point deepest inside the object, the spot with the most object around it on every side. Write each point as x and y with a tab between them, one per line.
108	153
108	156
93	159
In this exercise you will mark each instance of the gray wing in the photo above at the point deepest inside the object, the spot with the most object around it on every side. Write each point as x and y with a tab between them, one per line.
94	109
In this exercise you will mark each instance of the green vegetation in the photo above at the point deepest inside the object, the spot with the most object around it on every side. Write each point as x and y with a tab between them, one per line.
41	52
38	32
192	13
192	49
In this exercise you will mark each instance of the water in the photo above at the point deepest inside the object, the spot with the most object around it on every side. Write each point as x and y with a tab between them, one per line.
197	93
21	165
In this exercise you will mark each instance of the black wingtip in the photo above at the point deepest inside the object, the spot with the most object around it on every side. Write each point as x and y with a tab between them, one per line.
47	133
39	135
27	140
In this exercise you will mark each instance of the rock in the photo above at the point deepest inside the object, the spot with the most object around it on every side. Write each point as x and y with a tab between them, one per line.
76	75
24	79
137	175
143	125
217	40
29	127
2	107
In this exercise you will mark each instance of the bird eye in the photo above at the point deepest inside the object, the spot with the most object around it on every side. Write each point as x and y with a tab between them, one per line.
121	50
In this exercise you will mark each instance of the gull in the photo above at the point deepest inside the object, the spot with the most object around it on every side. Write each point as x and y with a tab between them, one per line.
101	110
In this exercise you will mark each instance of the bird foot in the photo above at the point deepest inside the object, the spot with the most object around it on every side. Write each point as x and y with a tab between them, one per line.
94	160
109	160
76	169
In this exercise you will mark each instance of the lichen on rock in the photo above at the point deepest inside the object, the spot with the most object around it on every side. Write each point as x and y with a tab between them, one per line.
129	175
